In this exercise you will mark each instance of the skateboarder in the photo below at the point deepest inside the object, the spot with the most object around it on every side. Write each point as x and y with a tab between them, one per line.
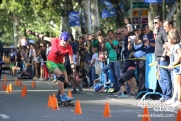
60	47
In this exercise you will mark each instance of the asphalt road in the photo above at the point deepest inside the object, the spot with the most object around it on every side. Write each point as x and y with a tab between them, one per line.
33	107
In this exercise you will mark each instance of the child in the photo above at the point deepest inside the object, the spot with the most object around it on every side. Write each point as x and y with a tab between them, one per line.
127	21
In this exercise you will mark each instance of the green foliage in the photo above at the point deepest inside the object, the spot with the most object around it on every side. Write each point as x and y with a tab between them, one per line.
35	15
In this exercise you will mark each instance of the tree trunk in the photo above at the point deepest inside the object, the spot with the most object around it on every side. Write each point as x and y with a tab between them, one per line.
87	15
65	22
16	24
94	16
155	10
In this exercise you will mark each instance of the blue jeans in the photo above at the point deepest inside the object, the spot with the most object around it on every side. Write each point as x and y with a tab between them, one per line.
165	80
93	74
115	70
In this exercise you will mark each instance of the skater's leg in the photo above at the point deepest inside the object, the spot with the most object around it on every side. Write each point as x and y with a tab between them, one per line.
58	74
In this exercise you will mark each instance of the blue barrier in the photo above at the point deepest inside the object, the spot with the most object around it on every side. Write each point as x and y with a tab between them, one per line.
150	77
103	78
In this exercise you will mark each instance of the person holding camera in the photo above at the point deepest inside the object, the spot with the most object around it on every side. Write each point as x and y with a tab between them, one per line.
139	48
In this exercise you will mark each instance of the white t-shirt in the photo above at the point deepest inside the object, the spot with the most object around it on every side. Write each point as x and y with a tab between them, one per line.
95	55
131	27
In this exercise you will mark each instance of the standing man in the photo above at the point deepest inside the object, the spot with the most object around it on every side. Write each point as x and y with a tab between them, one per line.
75	49
1	57
162	60
55	59
111	45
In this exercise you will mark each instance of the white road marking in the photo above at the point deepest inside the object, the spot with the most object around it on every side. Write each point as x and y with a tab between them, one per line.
4	116
90	94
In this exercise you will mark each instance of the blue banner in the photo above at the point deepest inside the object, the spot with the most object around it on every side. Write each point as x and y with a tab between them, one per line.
108	9
159	1
74	19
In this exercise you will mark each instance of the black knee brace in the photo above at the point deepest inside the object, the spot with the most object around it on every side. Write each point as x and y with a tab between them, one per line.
61	78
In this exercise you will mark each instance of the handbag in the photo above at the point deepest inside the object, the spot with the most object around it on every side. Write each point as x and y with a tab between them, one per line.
98	69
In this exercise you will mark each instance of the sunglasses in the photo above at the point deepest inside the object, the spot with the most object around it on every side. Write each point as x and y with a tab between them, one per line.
155	22
118	33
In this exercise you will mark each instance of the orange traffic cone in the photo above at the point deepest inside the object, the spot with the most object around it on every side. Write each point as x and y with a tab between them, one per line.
10	87
146	116
55	103
50	102
33	84
5	79
107	112
69	93
16	82
178	118
20	83
24	91
7	89
78	109
3	86
25	88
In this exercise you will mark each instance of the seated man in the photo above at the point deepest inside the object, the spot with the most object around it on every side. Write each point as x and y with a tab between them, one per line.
27	72
77	82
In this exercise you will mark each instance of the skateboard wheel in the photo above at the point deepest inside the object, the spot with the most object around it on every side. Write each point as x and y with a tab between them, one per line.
59	104
72	104
66	104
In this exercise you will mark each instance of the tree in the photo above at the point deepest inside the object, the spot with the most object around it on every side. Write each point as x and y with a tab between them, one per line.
94	16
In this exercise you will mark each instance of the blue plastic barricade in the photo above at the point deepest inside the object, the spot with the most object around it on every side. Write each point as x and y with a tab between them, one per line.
150	77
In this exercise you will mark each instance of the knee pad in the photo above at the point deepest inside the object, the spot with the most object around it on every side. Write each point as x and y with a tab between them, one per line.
61	78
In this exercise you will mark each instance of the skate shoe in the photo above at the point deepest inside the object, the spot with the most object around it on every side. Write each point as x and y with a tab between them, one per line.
79	91
74	91
65	98
58	97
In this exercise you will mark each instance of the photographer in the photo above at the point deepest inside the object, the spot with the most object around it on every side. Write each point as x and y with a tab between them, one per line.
140	50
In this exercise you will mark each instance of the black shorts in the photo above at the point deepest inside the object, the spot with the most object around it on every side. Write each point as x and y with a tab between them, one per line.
126	76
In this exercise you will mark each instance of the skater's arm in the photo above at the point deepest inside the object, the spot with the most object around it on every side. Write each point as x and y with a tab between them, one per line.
72	64
41	36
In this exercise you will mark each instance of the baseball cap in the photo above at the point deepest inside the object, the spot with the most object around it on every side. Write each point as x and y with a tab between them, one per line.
12	47
136	27
64	36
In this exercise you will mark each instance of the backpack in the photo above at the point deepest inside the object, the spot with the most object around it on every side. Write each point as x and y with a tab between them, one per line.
98	87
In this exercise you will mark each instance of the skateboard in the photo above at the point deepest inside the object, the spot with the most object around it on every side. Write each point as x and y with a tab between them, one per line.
65	103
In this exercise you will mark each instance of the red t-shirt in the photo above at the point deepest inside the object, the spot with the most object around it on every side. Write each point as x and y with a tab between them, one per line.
57	52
